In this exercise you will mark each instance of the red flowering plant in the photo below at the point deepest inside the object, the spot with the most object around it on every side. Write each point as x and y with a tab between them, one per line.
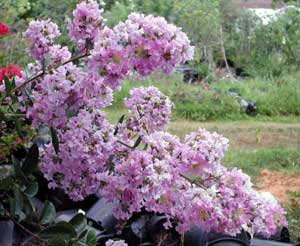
3	29
136	166
9	72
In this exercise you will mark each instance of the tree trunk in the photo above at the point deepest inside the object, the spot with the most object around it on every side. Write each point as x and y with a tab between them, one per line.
224	54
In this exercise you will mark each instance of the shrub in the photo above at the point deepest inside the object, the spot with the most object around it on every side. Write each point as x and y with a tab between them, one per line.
136	166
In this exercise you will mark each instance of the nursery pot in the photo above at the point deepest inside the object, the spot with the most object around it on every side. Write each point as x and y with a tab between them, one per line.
261	242
6	232
227	242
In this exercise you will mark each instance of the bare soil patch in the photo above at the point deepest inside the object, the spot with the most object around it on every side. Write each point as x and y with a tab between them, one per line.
278	183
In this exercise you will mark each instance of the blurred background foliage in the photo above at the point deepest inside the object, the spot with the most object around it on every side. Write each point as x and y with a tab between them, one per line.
261	50
269	54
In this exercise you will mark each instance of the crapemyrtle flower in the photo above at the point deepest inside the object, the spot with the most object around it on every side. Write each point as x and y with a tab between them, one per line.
86	23
149	110
41	34
86	144
141	44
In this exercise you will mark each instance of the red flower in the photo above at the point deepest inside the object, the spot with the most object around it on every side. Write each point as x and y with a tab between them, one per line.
19	140
3	29
9	71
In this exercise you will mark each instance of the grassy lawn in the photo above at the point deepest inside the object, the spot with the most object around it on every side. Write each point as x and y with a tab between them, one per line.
276	100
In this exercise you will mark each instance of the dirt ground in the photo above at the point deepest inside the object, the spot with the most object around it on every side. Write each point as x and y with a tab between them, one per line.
248	134
278	183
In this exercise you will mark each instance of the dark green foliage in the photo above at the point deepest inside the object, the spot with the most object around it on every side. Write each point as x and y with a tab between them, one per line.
32	189
55	141
79	222
62	228
48	213
70	233
31	162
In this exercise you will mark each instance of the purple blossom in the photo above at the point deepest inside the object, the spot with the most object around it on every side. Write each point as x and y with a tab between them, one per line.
59	54
56	96
143	44
86	23
41	34
149	110
220	200
86	143
109	60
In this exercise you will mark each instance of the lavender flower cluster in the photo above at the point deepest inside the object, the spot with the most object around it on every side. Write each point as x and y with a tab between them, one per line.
159	180
148	109
41	34
142	44
87	20
183	180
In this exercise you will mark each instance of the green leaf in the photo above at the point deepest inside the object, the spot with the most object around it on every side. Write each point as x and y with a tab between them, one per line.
91	238
62	228
82	234
2	115
48	213
18	170
120	121
32	158
29	207
16	202
71	113
88	44
46	62
8	86
18	127
6	183
137	142
32	189
79	222
57	241
55	141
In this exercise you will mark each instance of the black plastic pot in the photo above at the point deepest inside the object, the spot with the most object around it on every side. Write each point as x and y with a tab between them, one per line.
261	242
195	237
242	237
6	232
101	213
282	235
227	242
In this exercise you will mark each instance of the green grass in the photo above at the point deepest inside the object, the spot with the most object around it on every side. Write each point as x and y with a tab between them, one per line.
252	161
277	101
